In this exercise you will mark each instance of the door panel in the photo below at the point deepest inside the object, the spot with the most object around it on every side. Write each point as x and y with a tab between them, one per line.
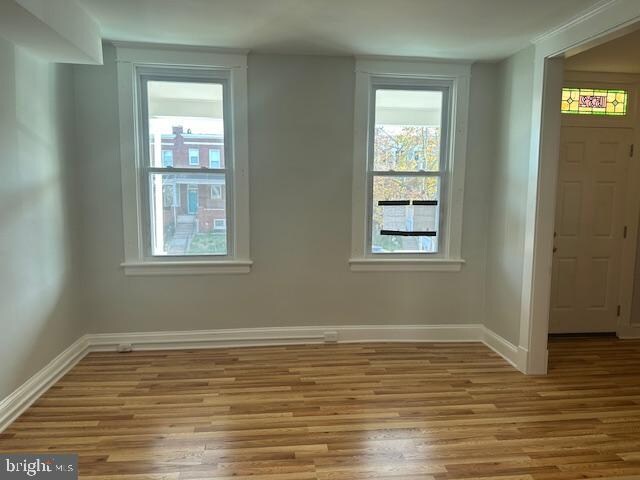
565	278
589	226
570	194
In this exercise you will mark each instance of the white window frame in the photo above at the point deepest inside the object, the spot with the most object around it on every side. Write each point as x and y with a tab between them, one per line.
372	73
230	66
196	156
165	150
219	157
224	223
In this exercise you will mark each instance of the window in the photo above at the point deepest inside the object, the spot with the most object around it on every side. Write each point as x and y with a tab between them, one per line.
216	192
194	156
409	153
170	104
590	101
214	158
405	174
167	158
169	229
170	195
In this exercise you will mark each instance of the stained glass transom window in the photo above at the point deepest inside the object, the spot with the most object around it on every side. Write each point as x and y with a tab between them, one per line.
590	101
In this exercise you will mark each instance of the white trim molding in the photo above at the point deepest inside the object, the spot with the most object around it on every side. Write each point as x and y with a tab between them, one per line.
406	264
132	61
628	332
583	17
186	267
372	72
502	347
23	397
288	335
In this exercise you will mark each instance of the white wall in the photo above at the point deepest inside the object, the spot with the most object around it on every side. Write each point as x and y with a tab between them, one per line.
301	129
37	229
508	195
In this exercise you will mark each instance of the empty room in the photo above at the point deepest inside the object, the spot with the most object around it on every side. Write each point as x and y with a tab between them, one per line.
320	239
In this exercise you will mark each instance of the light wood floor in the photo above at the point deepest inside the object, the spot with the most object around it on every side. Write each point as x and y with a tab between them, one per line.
342	412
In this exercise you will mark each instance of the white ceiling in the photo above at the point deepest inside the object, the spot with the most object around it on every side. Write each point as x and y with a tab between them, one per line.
620	56
455	29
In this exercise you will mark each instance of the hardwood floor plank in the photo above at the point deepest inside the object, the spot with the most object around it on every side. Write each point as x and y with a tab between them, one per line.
344	412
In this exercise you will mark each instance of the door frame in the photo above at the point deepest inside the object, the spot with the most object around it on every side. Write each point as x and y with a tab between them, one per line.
606	21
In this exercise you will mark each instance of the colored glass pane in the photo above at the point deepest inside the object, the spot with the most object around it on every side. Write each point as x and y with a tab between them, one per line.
593	101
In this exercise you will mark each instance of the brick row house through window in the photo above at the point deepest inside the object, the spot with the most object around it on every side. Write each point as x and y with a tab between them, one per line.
192	203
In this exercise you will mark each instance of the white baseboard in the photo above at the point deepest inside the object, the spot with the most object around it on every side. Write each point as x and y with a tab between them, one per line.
287	335
628	332
502	347
175	340
16	403
26	394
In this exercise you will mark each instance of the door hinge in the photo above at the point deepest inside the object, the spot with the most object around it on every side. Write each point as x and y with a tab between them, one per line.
618	311
631	150
624	232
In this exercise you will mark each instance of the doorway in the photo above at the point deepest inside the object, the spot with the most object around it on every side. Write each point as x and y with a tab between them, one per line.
192	200
596	206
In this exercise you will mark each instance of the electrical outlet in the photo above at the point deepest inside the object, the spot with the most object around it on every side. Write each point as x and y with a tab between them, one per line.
330	336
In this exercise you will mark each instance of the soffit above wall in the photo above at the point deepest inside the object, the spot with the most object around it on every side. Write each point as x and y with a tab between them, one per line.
57	31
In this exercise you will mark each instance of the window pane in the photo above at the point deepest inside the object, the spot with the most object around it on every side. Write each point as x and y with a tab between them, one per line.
406	205
185	121
187	211
407	130
215	158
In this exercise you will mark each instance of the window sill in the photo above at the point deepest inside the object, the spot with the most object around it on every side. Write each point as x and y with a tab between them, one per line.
187	267
406	264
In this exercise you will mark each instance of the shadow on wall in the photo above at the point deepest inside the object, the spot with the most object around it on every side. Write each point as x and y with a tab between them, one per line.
37	300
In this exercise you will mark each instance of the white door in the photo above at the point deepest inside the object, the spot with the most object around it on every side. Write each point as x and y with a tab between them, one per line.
589	229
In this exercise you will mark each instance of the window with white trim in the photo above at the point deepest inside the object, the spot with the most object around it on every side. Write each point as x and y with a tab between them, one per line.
182	108
167	158
408	145
214	158
188	109
194	156
409	153
216	192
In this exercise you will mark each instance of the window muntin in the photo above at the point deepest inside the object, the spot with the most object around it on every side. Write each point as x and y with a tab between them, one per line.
593	101
189	113
404	171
